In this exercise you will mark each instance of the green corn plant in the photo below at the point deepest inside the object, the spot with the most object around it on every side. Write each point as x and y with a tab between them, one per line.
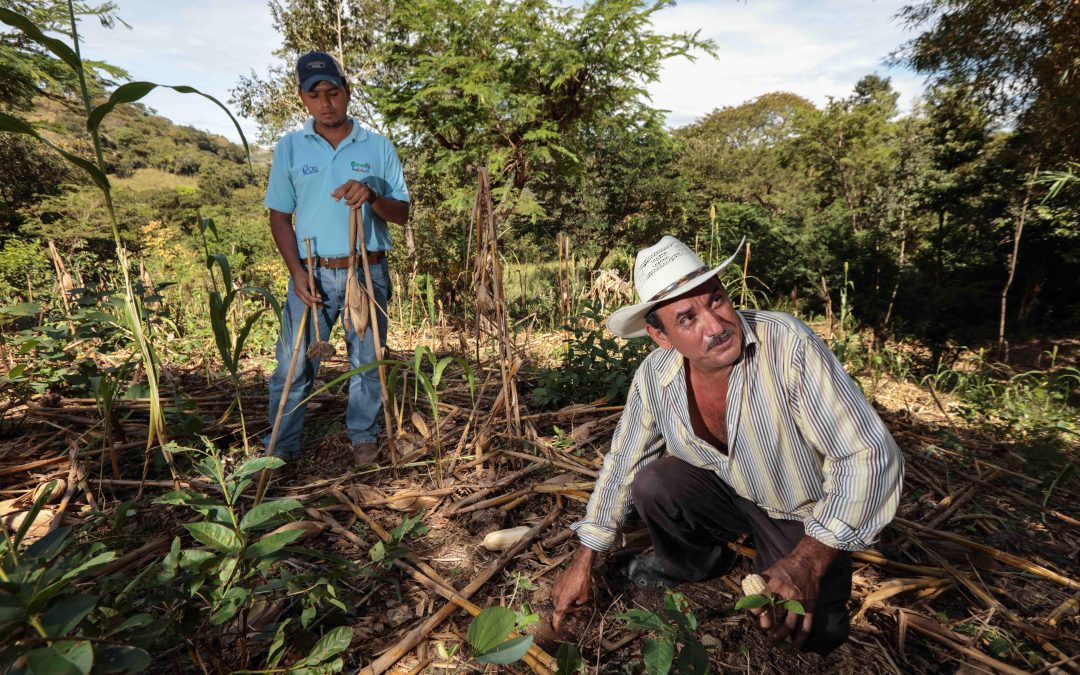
105	388
222	298
674	642
422	380
127	93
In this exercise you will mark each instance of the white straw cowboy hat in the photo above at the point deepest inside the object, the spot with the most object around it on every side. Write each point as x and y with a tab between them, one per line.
665	270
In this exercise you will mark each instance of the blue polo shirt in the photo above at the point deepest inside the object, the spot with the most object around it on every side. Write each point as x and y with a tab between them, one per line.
306	170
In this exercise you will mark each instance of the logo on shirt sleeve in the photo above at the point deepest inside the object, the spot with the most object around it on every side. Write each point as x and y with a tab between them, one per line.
309	169
362	167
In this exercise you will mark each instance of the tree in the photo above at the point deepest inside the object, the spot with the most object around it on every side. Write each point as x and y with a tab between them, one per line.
27	69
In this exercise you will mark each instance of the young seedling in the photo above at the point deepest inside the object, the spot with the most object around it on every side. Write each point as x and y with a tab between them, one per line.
754	596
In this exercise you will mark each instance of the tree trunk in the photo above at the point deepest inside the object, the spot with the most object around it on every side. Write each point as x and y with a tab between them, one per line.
1003	348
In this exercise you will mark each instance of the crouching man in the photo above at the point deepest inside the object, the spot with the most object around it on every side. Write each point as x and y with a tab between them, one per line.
741	422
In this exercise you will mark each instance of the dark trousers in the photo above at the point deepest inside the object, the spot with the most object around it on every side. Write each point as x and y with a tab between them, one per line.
691	514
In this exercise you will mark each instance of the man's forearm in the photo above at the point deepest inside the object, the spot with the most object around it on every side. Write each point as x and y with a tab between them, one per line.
391	210
285	239
812	554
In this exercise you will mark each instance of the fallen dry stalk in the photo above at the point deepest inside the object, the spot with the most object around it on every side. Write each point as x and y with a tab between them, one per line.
1007	558
416	635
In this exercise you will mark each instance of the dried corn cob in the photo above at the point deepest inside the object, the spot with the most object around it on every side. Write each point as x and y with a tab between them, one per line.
753	584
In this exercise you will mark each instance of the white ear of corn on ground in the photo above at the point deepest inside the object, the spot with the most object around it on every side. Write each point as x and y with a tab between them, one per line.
500	540
752	584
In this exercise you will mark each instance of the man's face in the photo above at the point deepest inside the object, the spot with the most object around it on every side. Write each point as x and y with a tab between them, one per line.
328	104
702	326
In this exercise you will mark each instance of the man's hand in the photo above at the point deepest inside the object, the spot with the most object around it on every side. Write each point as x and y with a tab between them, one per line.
572	588
355	193
795	577
309	296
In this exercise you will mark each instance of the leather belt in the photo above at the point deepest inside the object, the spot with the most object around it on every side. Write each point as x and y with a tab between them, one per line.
342	263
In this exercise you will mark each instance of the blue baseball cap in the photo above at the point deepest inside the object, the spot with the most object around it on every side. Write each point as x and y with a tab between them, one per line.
315	67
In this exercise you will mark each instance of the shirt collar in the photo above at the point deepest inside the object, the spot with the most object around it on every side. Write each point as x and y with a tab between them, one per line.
670	363
357	134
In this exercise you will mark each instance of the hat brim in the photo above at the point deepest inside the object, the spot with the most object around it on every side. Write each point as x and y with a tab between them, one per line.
629	322
310	83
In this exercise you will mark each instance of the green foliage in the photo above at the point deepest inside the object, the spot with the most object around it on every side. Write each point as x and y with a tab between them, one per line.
757	600
384	553
568	660
47	619
595	365
674	643
487	637
237	568
1034	403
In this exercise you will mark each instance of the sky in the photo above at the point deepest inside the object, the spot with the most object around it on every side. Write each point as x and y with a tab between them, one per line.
815	48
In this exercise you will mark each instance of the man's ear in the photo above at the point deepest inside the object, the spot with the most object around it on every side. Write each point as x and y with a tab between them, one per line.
658	337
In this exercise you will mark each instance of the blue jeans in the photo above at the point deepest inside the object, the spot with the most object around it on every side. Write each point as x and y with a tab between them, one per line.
365	396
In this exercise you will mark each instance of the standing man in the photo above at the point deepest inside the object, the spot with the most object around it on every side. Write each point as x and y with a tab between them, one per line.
741	422
319	173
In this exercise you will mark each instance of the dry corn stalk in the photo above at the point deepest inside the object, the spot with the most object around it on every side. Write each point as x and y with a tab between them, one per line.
320	349
356	316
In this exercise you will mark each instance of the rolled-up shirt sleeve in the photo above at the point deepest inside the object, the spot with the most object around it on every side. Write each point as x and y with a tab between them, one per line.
863	466
635	443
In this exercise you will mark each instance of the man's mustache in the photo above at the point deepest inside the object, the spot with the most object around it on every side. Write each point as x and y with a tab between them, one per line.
720	338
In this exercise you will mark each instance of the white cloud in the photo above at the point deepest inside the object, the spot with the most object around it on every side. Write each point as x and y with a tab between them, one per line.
814	48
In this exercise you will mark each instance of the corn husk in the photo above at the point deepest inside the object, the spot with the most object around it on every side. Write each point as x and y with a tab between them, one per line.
356	316
500	540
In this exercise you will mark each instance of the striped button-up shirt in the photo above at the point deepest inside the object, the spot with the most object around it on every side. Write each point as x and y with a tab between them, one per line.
803	442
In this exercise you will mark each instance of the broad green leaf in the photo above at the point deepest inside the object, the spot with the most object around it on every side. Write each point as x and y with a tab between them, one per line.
271	543
490	628
753	601
66	657
65	615
266	512
226	274
793	606
999	647
258	464
277	647
48	546
193	560
217	537
658	655
641	619
568	660
229	605
22	309
133	91
328	646
99	560
693	659
507	652
121	659
226	568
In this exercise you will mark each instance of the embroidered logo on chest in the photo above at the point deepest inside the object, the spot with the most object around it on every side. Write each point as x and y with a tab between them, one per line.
309	169
364	167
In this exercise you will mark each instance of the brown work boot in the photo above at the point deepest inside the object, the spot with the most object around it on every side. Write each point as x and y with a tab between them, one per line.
365	453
